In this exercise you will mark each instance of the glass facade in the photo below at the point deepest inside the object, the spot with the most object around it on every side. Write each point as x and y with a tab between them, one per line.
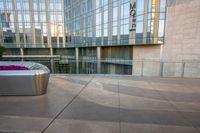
81	23
108	22
32	23
67	33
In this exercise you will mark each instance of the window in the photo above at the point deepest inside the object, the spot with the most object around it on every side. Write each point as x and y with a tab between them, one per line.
140	7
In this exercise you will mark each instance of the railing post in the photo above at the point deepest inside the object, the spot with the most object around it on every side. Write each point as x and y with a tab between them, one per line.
183	69
142	71
22	54
52	65
132	66
161	68
52	60
77	60
98	60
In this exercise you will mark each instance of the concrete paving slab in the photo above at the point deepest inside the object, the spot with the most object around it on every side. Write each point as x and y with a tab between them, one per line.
159	117
83	126
154	128
108	104
192	117
139	98
187	106
19	111
181	96
41	106
22	124
140	92
87	110
141	103
95	104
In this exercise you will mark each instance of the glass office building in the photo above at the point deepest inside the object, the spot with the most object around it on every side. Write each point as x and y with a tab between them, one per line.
115	26
31	28
70	32
114	22
32	23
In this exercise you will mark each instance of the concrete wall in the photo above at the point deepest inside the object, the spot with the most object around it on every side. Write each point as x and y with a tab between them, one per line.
146	52
146	60
180	54
173	69
182	33
182	39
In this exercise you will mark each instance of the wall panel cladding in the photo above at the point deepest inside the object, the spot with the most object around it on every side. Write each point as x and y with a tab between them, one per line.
124	52
192	70
13	51
36	51
182	38
177	2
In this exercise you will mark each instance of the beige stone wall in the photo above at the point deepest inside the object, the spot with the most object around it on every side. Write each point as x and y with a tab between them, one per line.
146	60
182	33
173	69
180	54
146	52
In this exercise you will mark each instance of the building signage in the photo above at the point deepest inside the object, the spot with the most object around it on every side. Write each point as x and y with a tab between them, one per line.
133	16
132	22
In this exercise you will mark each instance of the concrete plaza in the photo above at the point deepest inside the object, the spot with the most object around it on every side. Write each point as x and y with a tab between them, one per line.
106	104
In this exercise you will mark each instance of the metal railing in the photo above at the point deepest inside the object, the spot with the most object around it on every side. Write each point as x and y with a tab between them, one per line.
126	67
153	68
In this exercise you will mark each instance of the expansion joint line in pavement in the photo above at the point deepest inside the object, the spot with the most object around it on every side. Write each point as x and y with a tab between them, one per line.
67	105
187	120
119	104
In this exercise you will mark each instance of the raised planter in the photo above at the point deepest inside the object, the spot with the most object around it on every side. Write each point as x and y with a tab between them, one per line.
33	81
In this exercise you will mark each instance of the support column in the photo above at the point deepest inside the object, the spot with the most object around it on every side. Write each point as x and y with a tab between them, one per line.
63	26
31	8
77	60
22	54
110	17
23	24
156	20
51	60
48	26
132	22
102	22
132	62
1	33
119	22
94	24
99	60
161	52
40	23
145	24
15	17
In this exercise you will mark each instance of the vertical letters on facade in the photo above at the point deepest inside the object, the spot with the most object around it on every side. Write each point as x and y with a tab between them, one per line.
133	16
132	22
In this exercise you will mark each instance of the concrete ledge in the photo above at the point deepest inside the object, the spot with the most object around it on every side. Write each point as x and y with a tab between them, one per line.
185	69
